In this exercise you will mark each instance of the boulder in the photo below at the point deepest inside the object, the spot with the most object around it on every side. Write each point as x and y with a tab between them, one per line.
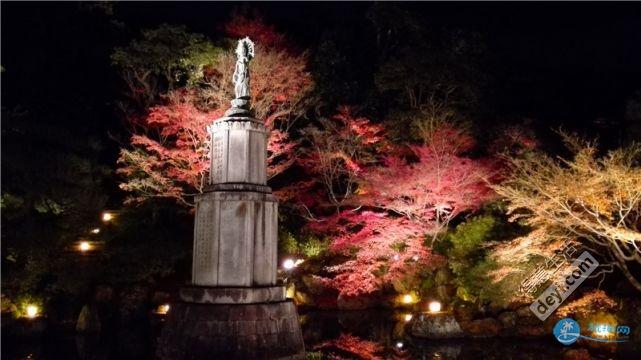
88	320
526	316
464	313
508	319
436	326
483	328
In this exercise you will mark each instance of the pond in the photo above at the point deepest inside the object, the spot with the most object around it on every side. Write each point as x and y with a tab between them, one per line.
346	334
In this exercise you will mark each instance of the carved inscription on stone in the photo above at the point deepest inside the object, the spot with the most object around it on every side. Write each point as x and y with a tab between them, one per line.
204	237
217	159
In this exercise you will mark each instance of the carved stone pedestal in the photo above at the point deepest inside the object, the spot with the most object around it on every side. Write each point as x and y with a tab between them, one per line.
228	323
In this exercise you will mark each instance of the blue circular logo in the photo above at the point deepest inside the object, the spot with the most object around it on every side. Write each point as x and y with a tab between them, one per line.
567	331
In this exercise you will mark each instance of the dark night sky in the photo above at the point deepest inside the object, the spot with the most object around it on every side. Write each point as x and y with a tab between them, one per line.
562	63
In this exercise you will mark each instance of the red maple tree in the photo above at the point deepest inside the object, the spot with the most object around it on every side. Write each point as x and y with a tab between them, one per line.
398	201
167	154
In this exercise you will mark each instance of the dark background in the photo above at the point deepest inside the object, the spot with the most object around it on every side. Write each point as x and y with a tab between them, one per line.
567	63
573	65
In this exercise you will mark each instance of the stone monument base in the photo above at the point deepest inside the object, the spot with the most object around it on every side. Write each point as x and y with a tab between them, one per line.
223	323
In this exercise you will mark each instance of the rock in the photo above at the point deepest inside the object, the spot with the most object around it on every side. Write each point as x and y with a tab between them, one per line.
354	302
494	309
88	320
526	316
436	326
483	328
464	313
576	354
508	319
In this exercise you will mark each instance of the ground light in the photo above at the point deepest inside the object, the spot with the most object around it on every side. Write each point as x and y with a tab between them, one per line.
163	309
407	317
32	311
84	246
289	264
95	231
399	345
408	299
107	216
434	306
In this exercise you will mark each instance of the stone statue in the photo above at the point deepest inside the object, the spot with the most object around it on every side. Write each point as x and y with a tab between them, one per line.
244	53
235	256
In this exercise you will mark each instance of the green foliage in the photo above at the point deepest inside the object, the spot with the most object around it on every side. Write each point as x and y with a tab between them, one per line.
287	243
467	248
427	285
23	301
399	246
307	245
313	247
163	59
314	355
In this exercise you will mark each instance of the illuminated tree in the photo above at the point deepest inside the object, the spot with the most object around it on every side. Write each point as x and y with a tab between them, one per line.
431	183
341	148
169	159
595	199
396	200
381	249
167	156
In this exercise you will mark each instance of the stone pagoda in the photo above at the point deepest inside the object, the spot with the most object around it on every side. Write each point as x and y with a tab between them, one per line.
234	308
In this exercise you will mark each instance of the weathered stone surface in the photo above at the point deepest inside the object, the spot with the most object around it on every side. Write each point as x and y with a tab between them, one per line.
464	313
436	326
238	151
232	295
216	331
508	319
235	239
488	327
235	311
